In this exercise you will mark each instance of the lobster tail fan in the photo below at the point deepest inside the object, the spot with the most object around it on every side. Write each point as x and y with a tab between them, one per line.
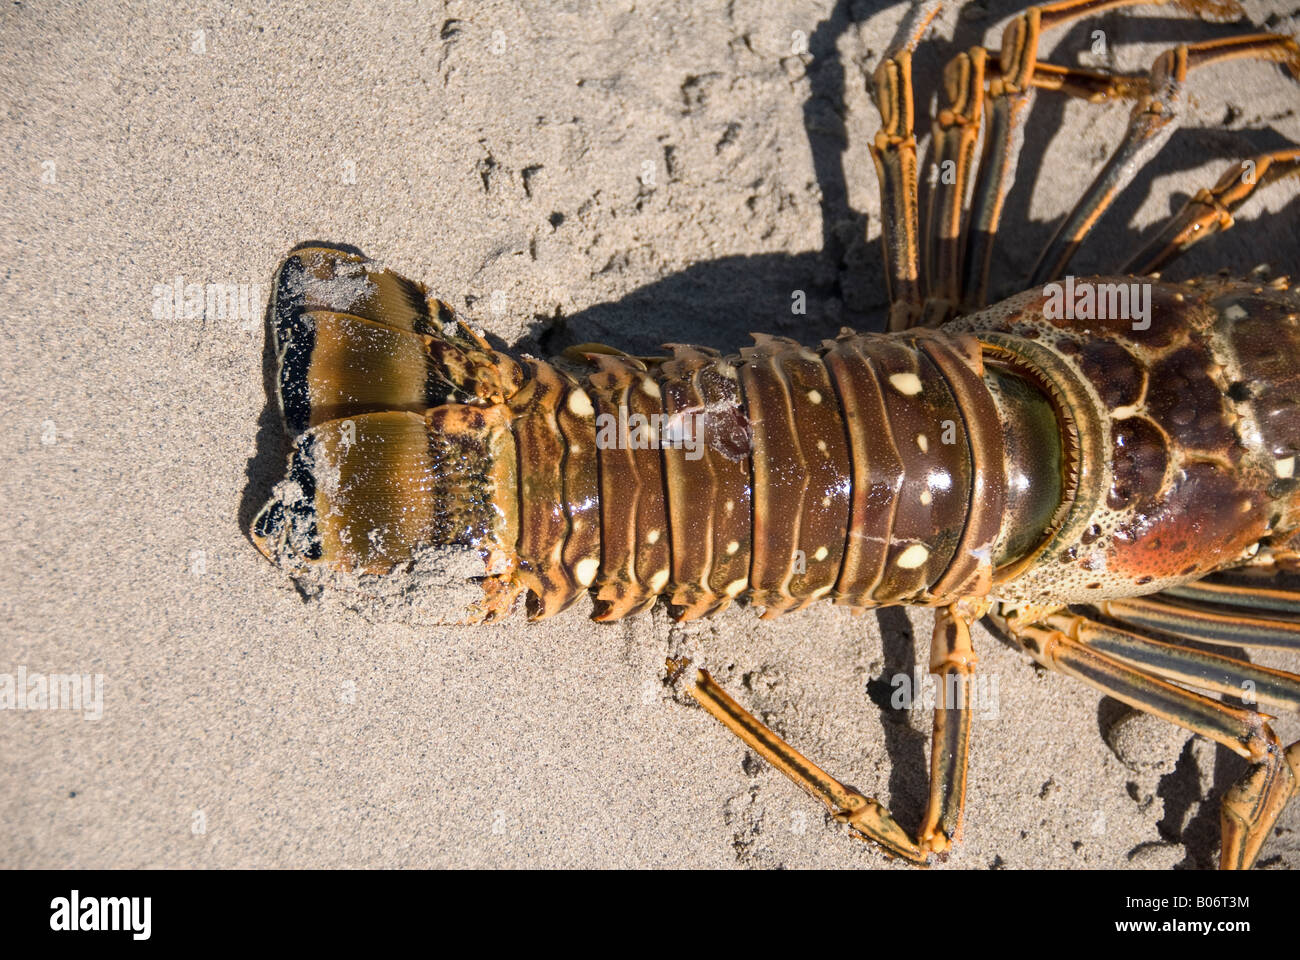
352	338
401	444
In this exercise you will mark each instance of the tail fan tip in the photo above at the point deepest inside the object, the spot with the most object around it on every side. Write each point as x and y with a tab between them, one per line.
402	454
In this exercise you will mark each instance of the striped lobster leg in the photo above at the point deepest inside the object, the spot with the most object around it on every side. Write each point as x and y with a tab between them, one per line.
1146	670
951	656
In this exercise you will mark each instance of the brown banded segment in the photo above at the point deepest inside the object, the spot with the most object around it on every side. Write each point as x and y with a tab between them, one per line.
475	479
458	365
877	469
627	477
781	479
823	449
358	366
577	419
933	501
374	477
654	538
728	441
692	489
700	482
543	522
960	360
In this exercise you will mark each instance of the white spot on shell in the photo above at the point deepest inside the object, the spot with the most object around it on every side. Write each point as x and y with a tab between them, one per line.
650	388
585	570
814	396
652	537
923	442
913	556
580	403
1234	311
732	547
734	588
908	384
1285	468
729	506
926	498
821	554
659	581
821	446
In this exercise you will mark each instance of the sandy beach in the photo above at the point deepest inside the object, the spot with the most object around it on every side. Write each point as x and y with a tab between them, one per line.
561	172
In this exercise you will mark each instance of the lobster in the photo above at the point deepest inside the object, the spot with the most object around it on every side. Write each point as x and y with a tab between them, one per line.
1103	467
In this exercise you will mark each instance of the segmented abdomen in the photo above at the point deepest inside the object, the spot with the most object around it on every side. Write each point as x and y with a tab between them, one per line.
869	471
784	473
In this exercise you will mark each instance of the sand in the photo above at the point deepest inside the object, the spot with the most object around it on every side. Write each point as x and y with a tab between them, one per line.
563	172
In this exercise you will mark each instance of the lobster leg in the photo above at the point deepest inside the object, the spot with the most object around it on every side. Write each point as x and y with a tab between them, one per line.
952	661
1252	806
956	131
1210	211
894	153
1205	622
1154	119
951	657
1240	593
1009	96
869	817
1186	665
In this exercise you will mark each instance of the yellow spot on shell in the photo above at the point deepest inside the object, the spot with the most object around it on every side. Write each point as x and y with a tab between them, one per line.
585	571
580	403
908	384
814	396
729	506
913	556
659	581
650	388
923	442
734	588
926	498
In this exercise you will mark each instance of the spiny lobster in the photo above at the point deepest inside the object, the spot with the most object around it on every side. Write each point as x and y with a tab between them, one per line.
1081	463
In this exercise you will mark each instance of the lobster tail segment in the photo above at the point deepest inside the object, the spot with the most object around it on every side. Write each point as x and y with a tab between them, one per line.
401	437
